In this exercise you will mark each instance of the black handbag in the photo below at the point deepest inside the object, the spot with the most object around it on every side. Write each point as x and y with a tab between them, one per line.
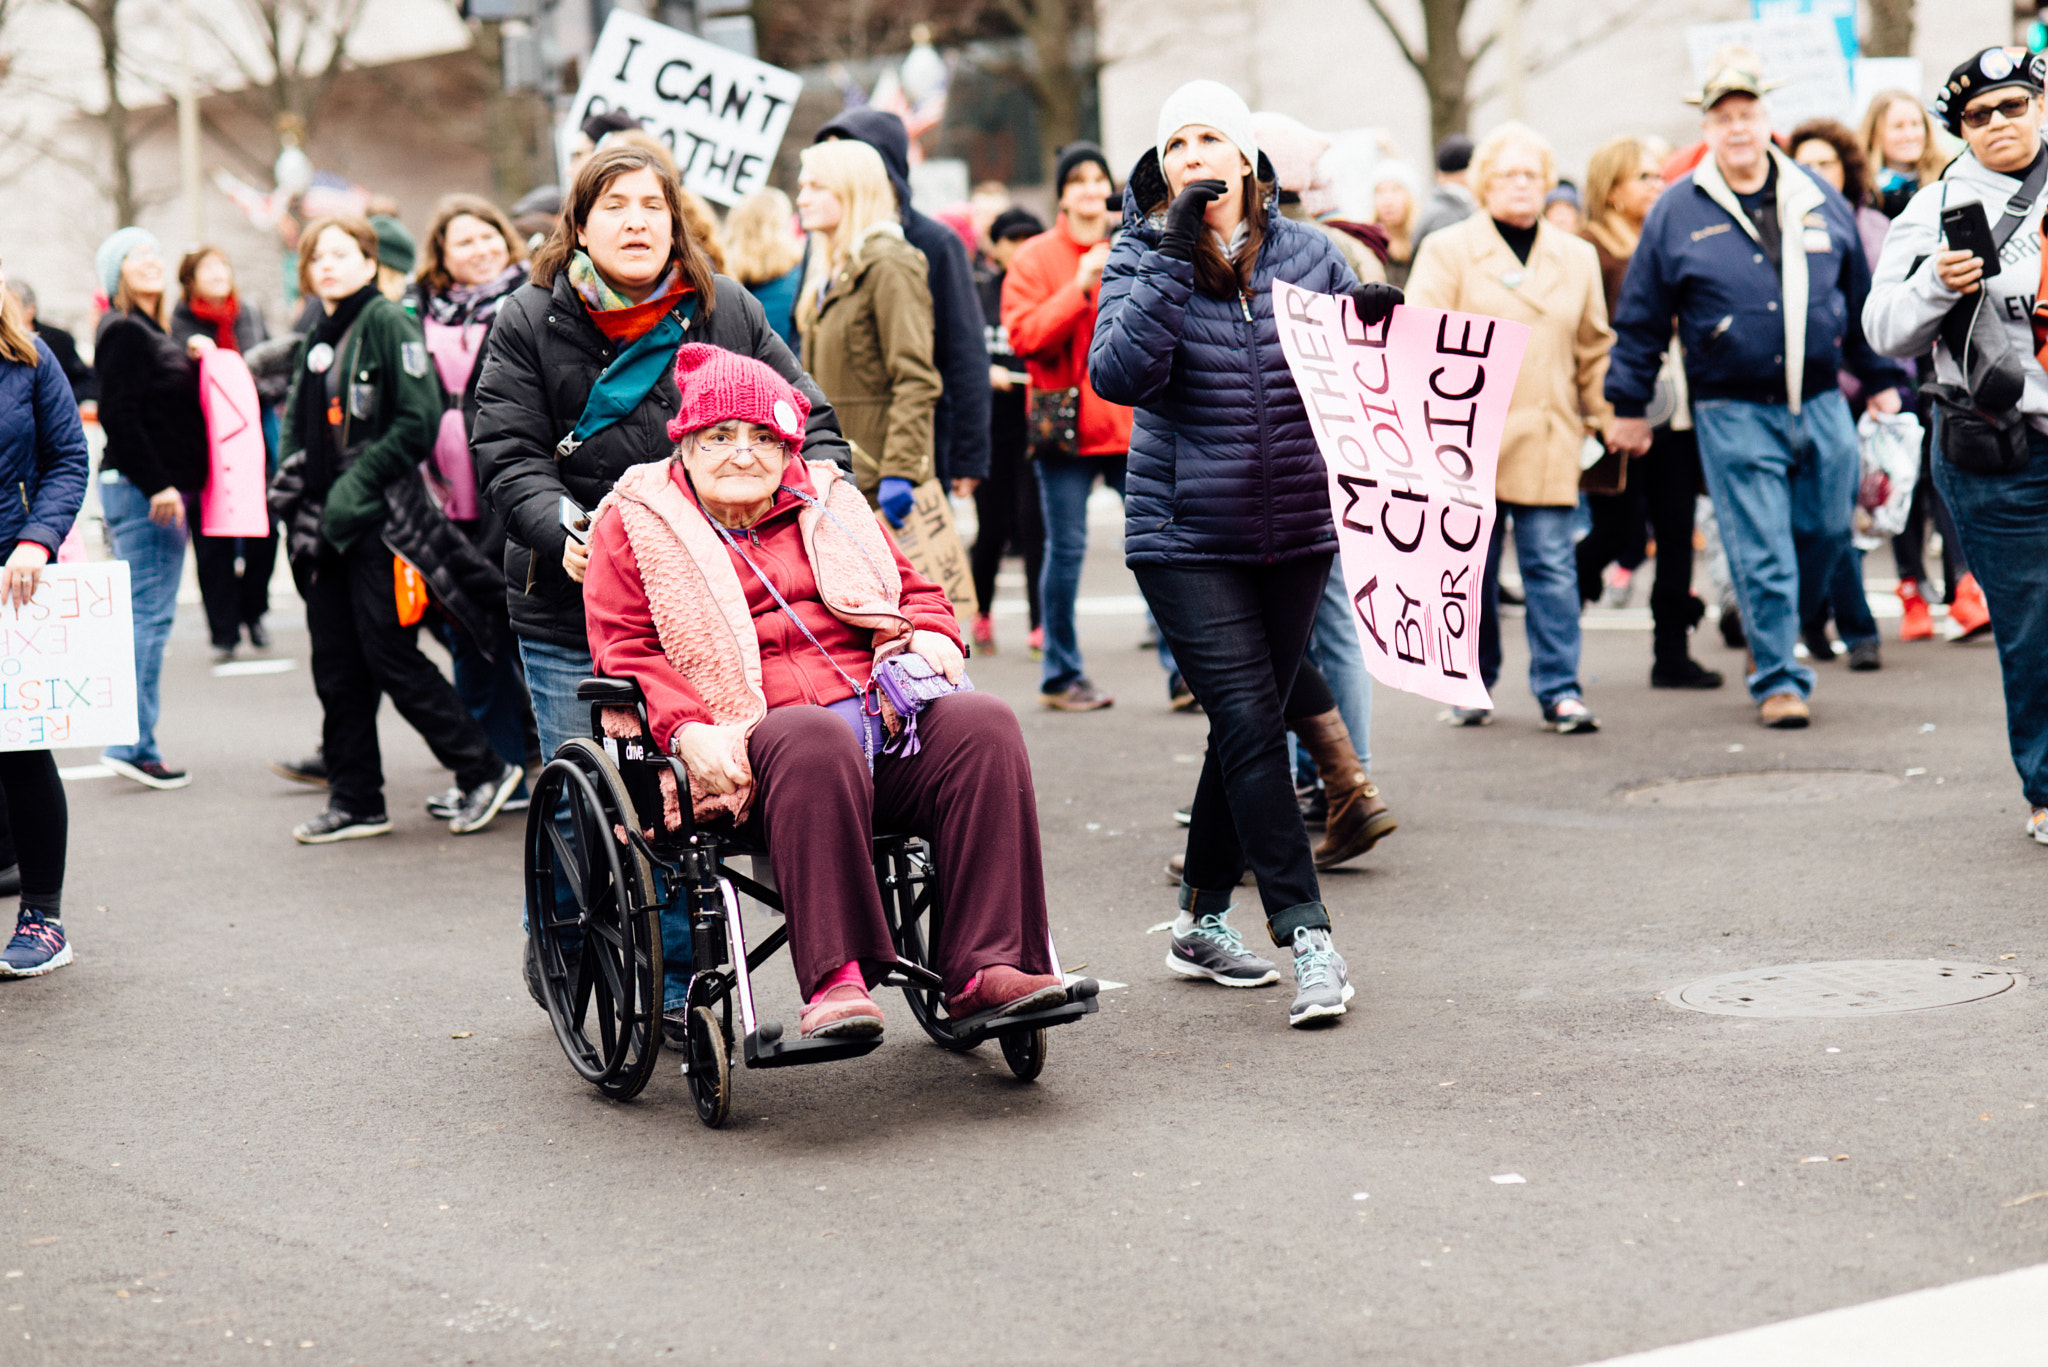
1055	423
1975	441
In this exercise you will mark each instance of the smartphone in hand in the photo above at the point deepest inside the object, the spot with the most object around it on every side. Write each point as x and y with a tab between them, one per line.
575	521
1966	229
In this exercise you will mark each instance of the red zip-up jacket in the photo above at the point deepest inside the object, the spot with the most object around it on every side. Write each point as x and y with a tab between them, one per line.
1050	320
624	643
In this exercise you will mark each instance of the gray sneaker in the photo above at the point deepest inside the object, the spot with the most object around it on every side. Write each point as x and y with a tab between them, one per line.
1321	984
1214	950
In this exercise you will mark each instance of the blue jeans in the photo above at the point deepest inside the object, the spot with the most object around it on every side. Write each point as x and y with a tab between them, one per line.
156	560
2003	520
1548	557
495	695
1848	600
1783	488
1064	484
1333	648
552	673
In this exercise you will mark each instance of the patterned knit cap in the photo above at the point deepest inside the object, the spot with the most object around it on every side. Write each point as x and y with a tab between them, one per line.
723	386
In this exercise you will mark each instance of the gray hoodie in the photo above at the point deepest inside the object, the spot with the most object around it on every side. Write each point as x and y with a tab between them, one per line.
1903	314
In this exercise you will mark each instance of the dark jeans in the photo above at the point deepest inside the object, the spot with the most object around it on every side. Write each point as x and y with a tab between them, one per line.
361	653
967	790
1006	508
234	599
1239	633
34	824
2003	521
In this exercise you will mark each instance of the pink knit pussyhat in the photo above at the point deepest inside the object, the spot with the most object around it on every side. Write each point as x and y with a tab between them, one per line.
723	386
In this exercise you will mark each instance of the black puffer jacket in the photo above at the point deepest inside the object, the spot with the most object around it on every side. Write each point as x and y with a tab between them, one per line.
149	405
539	364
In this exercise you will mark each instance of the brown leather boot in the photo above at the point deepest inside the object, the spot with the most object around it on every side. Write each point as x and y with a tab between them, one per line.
1358	818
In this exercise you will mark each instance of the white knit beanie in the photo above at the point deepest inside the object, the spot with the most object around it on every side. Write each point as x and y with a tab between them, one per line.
1216	105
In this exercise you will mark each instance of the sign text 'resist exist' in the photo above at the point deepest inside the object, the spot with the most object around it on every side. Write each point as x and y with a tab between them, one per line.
721	113
1408	416
67	661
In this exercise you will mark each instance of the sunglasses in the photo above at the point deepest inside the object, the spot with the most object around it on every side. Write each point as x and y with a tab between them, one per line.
2010	110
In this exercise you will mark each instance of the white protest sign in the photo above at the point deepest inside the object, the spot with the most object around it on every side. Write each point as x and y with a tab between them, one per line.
67	661
1802	50
720	112
1408	416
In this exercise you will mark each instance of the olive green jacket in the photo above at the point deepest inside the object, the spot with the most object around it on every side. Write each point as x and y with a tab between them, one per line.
391	411
869	347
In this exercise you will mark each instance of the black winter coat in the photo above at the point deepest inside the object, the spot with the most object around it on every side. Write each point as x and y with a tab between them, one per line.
1224	465
539	365
149	406
960	422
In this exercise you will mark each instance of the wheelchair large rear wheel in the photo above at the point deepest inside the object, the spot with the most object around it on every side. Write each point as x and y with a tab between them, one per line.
599	947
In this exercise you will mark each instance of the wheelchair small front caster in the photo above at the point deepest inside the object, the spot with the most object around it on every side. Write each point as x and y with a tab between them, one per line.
1024	1051
709	1069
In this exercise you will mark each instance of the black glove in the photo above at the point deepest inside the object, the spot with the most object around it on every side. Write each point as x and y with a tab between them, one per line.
1184	226
1375	301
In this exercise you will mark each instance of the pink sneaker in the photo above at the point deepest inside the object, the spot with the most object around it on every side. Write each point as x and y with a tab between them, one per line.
984	635
842	1012
1037	643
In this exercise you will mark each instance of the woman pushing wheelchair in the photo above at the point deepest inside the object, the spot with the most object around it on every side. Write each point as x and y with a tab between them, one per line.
755	601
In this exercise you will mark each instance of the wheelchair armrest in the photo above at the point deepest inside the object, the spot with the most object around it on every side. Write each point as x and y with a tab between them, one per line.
609	692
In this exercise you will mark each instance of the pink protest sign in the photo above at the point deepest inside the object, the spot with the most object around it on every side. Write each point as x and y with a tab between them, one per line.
1409	417
233	503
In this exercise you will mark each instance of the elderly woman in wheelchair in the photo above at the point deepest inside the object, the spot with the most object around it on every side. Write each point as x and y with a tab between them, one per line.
753	599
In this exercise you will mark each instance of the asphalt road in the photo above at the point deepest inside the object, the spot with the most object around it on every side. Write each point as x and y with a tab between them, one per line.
294	1103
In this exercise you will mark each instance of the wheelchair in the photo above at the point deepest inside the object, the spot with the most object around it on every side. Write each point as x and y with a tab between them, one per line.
599	950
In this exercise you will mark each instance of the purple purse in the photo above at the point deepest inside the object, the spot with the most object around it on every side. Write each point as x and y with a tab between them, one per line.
909	684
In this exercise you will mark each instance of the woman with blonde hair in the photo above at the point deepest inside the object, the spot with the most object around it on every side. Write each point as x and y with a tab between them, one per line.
765	252
1393	208
865	313
1622	182
1509	262
1904	150
42	453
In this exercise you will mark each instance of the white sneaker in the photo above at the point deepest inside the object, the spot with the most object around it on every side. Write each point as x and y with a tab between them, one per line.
2037	825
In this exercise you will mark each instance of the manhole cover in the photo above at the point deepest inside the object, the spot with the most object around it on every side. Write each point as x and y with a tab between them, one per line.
1853	987
1772	788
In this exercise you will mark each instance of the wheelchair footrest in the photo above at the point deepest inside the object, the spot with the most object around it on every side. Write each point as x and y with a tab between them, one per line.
1081	1001
778	1052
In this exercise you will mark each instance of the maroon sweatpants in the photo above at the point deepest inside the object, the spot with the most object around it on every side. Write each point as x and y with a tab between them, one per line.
967	790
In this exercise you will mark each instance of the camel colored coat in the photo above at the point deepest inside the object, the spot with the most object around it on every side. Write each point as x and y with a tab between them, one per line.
1467	267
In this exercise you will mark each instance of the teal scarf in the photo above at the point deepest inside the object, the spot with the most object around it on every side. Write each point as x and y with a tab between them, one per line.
630	378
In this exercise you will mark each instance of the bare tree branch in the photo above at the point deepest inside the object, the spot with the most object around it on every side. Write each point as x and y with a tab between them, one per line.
1394	32
1599	33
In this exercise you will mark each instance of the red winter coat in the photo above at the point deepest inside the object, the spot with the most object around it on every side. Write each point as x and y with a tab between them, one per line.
680	642
1050	320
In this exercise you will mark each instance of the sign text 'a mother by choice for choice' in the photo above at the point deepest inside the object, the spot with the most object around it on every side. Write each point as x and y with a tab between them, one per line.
1408	416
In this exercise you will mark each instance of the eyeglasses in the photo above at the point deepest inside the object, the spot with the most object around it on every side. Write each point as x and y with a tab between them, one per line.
1520	177
732	443
2010	110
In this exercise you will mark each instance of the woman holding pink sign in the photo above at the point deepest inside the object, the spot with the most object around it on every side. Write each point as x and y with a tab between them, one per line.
1227	511
42	451
236	598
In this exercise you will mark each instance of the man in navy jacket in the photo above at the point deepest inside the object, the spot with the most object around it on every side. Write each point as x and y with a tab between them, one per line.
1760	263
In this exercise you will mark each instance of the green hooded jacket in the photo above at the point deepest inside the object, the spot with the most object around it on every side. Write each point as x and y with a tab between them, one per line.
391	413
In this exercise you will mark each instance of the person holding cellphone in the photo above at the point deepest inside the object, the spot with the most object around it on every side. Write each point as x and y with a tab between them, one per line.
1932	290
